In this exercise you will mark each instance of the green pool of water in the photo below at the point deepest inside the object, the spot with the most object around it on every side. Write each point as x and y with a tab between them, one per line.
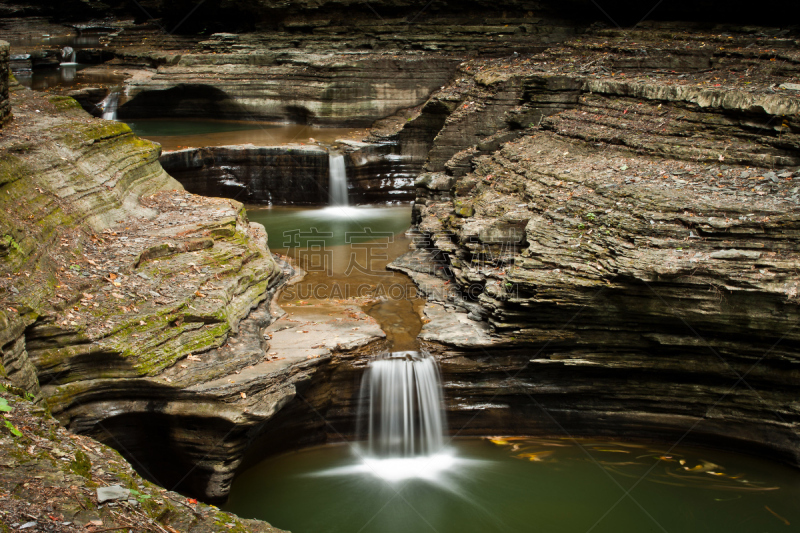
522	485
290	227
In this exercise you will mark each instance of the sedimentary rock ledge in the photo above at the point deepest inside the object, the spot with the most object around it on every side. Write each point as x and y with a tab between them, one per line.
136	312
621	224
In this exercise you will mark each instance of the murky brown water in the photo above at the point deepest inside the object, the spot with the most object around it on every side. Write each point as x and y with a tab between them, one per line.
68	77
174	134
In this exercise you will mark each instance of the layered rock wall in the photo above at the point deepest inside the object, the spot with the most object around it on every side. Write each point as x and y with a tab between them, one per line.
123	297
261	175
293	175
625	246
380	173
333	89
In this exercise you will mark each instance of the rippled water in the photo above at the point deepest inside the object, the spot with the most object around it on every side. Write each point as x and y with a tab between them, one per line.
521	485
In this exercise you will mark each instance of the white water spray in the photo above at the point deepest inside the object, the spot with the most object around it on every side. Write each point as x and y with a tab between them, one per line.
338	181
402	407
109	105
68	55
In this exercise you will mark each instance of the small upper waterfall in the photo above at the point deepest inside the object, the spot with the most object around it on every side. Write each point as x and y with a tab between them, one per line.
338	180
402	406
68	55
109	105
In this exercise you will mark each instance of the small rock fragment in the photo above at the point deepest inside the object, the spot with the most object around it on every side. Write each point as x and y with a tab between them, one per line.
112	492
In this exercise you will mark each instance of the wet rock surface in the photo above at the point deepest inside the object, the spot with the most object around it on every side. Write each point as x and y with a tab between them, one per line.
282	175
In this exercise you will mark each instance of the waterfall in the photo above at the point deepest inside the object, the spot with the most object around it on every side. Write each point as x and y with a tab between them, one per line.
69	55
338	180
402	406
109	105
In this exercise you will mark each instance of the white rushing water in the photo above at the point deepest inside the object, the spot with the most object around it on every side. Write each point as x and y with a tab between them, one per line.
109	105
68	55
338	181
402	403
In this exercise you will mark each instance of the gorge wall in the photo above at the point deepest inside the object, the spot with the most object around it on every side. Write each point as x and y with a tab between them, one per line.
248	16
114	280
329	89
616	222
608	238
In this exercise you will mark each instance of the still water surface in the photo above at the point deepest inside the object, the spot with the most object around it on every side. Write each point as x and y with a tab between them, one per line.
522	485
177	133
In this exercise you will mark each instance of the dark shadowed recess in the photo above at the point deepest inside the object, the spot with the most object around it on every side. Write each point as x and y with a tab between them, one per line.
149	442
243	15
184	100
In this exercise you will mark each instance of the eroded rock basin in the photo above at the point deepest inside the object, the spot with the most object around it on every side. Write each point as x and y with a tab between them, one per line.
520	484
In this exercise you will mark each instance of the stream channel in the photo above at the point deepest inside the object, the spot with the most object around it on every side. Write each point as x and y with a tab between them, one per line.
492	484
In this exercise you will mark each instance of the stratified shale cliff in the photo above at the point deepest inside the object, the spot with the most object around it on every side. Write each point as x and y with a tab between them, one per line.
619	218
129	307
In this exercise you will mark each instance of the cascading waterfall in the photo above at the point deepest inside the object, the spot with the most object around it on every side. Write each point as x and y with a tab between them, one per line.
402	406
69	55
109	105
338	181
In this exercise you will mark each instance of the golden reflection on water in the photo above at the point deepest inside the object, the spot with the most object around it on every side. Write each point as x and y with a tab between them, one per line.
684	469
